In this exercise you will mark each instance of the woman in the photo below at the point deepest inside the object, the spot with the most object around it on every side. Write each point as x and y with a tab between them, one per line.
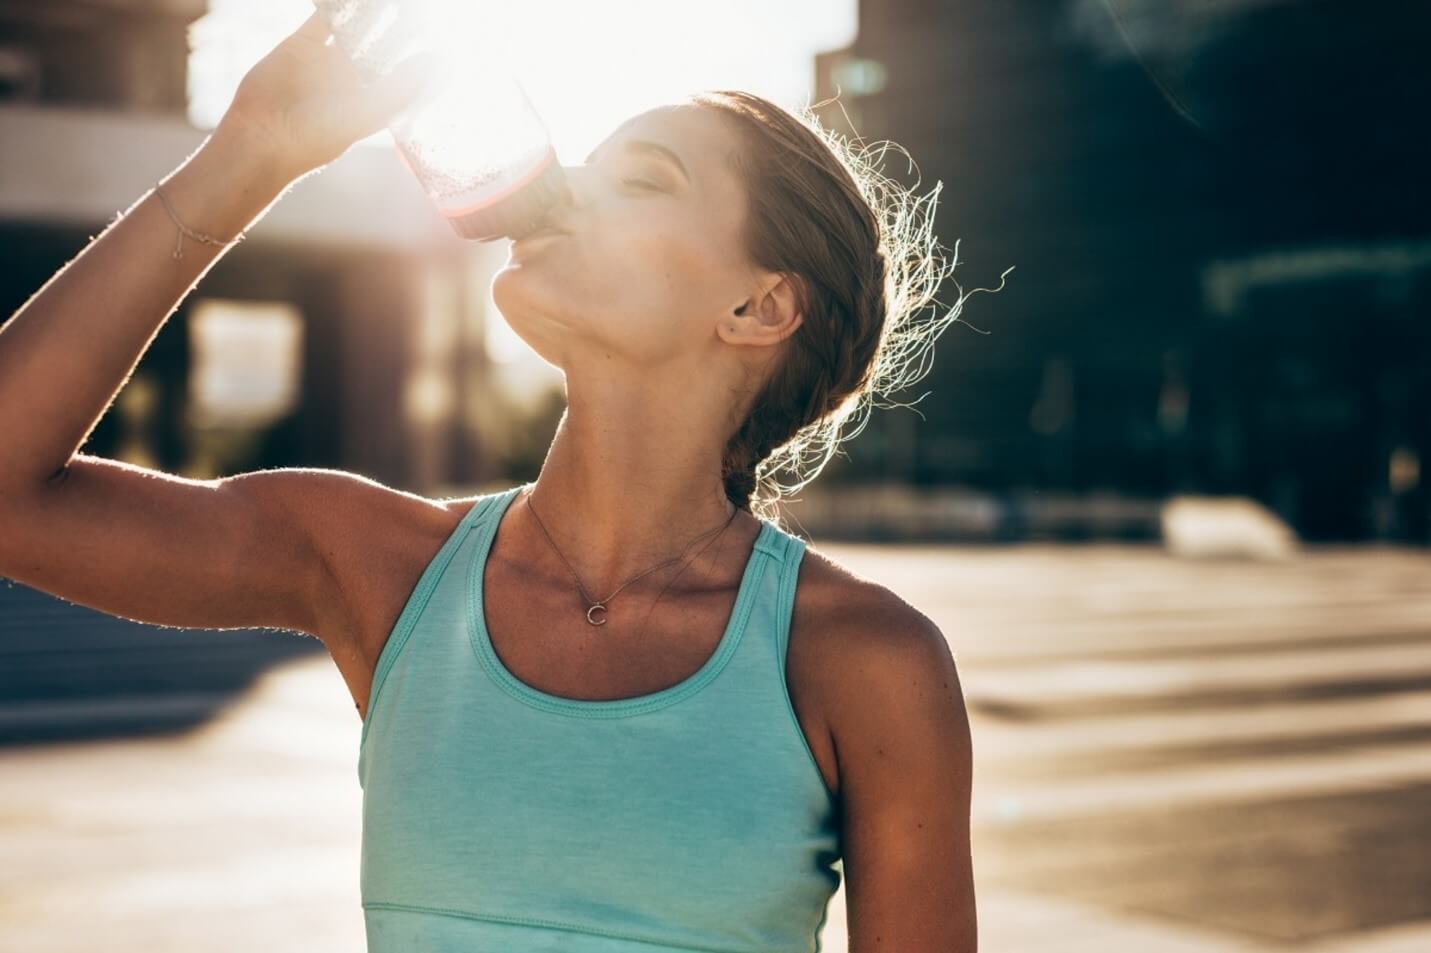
549	759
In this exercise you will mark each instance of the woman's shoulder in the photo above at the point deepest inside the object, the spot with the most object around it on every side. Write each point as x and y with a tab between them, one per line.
857	651
848	604
846	625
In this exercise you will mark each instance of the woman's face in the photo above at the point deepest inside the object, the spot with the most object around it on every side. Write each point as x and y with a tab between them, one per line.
651	256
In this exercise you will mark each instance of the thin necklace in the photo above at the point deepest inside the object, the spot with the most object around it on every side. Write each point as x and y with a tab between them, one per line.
599	605
668	585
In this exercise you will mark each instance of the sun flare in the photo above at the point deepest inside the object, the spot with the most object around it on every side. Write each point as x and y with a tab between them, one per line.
586	66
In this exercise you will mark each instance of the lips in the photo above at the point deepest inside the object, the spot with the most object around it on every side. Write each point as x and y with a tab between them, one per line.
544	227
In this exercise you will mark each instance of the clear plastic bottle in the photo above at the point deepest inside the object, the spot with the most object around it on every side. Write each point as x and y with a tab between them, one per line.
475	143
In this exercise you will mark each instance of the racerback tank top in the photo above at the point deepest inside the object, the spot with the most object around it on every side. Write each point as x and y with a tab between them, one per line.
497	817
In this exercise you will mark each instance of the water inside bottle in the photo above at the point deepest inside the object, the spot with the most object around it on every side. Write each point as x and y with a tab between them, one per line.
480	150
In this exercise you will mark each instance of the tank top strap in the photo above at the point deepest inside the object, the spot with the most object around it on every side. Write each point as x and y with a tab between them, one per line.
791	553
427	583
764	673
753	697
774	601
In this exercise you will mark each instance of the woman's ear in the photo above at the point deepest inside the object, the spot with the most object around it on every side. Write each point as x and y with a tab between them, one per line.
777	305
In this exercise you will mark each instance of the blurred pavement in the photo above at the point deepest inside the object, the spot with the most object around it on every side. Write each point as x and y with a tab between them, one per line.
1171	756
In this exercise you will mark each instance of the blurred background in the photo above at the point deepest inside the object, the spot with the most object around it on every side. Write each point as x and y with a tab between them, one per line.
1164	491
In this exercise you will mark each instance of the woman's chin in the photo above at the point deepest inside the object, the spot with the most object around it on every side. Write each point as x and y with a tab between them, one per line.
518	294
512	287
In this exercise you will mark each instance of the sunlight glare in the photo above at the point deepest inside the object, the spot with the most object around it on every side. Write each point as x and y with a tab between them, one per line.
585	66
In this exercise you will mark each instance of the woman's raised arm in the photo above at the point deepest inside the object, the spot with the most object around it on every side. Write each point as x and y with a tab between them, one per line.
151	545
69	349
66	353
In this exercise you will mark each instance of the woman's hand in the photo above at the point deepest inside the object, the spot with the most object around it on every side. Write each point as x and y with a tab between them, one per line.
306	104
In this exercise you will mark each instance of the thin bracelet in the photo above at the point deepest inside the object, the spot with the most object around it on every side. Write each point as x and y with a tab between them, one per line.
186	230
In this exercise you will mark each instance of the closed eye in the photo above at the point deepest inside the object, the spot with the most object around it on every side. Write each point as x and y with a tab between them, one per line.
641	183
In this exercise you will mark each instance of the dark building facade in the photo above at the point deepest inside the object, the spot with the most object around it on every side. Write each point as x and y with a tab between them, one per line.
1220	226
104	53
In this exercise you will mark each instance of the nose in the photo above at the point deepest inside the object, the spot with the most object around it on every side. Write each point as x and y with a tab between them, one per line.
570	196
574	184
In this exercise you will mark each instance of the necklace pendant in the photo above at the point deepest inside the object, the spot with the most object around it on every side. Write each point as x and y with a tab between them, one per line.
598	607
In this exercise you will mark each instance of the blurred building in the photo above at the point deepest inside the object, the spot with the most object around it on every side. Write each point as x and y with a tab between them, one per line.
1217	215
345	331
1221	229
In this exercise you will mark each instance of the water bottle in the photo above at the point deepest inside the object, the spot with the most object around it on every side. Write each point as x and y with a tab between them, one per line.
474	142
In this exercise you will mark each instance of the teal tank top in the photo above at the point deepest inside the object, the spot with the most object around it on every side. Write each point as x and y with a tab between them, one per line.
502	819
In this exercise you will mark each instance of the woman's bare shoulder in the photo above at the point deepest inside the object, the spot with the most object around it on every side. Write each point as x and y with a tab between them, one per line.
843	622
848	605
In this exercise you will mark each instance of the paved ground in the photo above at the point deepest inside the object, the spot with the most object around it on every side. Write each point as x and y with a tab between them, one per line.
1170	756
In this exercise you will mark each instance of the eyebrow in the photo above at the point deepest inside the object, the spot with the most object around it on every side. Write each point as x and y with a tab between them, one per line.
650	148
